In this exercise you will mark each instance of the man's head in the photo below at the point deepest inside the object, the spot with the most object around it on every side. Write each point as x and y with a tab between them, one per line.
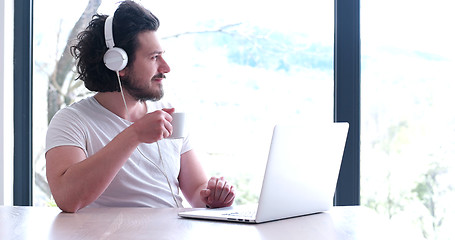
131	20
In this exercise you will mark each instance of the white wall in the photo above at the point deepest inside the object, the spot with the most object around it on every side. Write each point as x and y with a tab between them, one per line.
6	102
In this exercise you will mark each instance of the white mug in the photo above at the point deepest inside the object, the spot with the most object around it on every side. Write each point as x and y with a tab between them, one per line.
178	125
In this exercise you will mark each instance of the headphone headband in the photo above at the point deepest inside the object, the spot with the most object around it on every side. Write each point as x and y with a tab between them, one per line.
109	36
115	58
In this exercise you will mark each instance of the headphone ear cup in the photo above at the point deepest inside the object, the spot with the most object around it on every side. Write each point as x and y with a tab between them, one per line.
115	59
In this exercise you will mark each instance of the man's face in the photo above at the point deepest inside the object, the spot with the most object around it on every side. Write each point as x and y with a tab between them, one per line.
142	79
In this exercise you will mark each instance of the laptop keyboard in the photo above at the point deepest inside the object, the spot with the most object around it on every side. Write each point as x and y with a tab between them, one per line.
242	214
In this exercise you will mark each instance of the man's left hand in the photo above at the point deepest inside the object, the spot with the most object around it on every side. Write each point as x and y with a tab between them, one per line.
219	193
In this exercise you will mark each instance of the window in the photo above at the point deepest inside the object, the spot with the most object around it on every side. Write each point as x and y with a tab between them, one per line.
408	125
234	70
6	99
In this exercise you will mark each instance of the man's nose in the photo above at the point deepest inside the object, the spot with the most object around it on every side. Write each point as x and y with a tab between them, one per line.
164	67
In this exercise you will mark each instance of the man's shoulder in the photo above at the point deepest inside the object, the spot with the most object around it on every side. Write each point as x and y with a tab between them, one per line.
77	108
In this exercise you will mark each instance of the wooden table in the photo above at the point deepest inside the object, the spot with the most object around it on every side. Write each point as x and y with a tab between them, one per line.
147	223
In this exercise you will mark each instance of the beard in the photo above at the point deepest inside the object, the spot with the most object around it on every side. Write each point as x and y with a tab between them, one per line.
141	93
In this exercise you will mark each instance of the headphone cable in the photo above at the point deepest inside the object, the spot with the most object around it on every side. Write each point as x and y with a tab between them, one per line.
159	150
121	91
162	172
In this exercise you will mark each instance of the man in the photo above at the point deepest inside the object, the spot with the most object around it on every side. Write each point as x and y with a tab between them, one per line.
112	149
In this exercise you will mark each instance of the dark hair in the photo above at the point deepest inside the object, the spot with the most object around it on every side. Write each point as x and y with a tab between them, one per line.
130	19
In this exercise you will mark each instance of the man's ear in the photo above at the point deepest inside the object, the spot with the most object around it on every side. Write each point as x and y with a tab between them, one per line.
123	72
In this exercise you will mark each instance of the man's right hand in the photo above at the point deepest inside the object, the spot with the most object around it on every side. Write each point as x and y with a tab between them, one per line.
154	126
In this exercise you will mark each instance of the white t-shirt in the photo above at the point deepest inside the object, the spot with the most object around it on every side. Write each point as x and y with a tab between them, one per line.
89	126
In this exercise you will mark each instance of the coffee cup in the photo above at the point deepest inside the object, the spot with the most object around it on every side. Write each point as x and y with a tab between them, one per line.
178	125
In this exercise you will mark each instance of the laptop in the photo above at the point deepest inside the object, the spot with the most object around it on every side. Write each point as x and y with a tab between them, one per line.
300	176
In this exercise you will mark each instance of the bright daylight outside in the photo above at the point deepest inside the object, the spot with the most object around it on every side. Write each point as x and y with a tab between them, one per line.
236	72
408	125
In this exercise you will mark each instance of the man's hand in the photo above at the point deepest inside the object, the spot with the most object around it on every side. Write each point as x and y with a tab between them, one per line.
154	126
219	193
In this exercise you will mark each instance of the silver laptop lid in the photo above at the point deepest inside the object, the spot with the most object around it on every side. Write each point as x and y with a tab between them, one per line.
302	169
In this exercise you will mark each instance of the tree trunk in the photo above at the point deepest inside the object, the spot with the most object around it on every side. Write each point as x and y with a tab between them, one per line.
66	63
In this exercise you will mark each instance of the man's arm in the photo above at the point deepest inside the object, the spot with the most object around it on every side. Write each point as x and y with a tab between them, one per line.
76	181
198	189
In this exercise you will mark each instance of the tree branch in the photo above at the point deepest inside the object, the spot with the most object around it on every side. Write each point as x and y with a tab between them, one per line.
221	29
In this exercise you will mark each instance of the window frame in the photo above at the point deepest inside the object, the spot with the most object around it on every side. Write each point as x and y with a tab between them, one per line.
346	99
23	85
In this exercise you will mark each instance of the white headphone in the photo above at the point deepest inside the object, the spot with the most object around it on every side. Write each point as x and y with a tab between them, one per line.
115	58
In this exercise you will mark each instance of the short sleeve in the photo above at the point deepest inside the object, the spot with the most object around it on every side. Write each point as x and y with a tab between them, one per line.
65	129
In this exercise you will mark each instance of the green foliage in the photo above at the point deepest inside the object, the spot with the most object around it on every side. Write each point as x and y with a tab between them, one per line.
263	48
51	202
396	137
244	194
429	191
